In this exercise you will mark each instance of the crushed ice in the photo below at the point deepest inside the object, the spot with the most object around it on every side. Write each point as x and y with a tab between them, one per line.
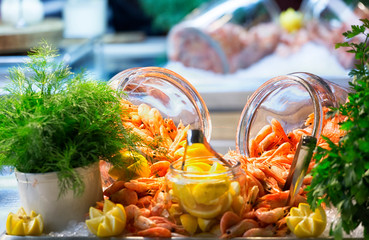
73	229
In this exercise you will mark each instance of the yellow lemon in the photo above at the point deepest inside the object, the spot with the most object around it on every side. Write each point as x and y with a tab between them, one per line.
291	20
305	223
189	223
21	224
198	150
203	211
137	167
207	192
198	165
183	193
109	222
205	224
217	168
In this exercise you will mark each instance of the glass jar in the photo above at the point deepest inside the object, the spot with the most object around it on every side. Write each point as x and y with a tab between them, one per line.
165	90
326	21
225	36
205	195
290	99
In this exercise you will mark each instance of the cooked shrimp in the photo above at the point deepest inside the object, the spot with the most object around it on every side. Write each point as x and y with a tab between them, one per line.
155	232
228	220
260	232
240	228
159	168
269	216
141	222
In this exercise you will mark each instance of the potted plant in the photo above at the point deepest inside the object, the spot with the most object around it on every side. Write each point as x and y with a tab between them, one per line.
55	127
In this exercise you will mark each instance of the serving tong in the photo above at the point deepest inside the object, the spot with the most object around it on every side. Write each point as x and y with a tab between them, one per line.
197	136
299	167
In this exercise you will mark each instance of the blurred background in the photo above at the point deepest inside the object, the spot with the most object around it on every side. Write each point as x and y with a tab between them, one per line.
225	49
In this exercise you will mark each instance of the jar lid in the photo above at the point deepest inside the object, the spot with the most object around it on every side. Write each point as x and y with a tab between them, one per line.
290	99
165	90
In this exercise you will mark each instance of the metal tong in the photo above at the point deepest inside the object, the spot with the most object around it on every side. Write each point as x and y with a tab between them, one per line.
299	167
197	136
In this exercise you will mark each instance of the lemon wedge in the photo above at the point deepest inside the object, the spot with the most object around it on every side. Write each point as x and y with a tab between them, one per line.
109	222
21	224
205	224
305	223
189	223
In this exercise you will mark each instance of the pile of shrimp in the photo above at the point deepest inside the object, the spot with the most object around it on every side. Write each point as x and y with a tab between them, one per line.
271	155
161	137
144	197
146	201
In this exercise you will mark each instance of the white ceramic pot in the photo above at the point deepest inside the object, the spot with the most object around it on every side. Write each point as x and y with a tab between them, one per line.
40	192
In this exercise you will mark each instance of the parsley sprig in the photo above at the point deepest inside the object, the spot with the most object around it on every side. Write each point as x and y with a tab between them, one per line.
341	176
52	120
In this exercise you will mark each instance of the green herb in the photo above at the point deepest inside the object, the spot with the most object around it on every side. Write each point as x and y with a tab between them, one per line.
341	177
53	120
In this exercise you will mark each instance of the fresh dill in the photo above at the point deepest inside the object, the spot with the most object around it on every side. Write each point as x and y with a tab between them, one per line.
53	120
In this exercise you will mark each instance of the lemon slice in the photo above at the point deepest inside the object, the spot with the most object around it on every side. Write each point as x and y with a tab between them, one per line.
201	165
21	224
304	223
109	222
217	168
203	211
208	192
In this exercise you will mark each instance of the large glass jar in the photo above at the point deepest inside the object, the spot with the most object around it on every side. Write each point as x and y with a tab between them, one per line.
290	99
165	90
327	20
206	194
225	36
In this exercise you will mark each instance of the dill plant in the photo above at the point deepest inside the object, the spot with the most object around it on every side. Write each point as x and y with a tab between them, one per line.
53	120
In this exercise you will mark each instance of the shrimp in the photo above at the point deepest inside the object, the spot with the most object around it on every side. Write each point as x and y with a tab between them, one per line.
113	188
155	121
145	201
165	138
155	232
132	211
142	223
171	128
268	141
276	200
125	196
270	215
265	131
182	133
228	219
268	231
240	228
139	187
159	168
278	129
